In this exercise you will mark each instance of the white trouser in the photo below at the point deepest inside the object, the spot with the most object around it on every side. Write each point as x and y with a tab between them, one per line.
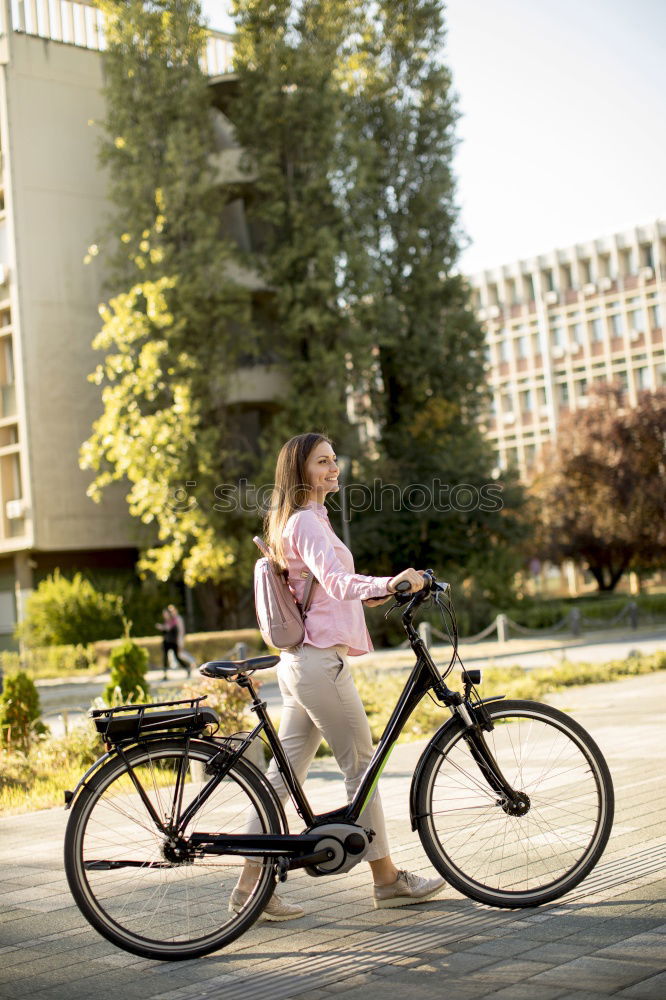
320	700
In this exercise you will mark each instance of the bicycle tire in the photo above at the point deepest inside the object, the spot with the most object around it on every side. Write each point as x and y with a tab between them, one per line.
491	856
118	865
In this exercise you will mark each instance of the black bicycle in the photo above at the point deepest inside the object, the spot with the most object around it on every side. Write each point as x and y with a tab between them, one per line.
512	801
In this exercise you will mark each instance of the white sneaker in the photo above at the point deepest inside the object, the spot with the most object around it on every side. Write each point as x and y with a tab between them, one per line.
276	908
406	890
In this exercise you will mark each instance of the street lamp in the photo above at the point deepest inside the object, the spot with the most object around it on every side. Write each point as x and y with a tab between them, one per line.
344	465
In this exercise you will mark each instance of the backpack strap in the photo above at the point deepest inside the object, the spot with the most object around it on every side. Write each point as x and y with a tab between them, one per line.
310	582
261	545
310	585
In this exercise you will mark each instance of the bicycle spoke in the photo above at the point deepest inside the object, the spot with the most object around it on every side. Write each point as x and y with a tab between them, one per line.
170	895
494	846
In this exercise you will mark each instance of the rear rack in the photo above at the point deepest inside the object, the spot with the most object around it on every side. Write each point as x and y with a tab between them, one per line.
97	713
116	724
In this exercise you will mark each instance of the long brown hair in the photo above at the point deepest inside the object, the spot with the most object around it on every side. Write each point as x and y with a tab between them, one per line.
291	490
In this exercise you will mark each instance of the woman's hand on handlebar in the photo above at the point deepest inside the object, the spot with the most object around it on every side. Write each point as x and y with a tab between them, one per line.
412	576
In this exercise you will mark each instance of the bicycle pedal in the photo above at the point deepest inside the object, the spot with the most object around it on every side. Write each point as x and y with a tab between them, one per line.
282	869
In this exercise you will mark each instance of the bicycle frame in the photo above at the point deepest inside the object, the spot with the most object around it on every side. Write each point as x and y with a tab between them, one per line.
297	850
423	678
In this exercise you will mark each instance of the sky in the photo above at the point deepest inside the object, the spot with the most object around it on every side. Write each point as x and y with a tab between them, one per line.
561	136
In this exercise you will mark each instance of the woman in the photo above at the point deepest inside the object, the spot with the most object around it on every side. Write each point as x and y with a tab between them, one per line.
170	628
318	692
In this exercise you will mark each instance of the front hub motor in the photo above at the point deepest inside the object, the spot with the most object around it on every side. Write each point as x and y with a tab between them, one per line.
520	806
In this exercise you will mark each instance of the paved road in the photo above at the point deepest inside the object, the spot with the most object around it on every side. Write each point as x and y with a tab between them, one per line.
73	698
607	938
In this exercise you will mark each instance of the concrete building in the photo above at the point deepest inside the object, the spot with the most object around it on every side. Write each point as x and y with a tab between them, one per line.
52	207
557	323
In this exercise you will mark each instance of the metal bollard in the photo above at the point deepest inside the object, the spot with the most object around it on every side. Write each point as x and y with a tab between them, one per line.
425	634
633	614
239	651
574	621
502	628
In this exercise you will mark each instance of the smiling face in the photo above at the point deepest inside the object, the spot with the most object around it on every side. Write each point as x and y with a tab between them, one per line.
321	472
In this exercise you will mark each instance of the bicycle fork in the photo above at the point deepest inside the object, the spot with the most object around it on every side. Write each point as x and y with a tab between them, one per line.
513	802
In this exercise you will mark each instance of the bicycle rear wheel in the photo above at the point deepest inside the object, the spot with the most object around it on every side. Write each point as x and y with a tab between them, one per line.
469	833
149	896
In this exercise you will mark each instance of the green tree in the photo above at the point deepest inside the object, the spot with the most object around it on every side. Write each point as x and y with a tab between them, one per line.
346	117
601	491
171	330
288	118
423	369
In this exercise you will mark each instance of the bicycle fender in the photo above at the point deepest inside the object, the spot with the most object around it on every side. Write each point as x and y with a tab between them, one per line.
454	723
93	769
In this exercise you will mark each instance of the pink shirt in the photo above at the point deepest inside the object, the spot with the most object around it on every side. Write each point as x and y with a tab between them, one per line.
336	614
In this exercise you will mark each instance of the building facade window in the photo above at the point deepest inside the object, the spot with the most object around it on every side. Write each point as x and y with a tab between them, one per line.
642	376
637	320
655	317
626	262
596	329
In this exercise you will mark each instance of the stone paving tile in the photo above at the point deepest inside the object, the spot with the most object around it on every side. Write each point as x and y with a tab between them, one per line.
594	974
652	988
504	947
557	952
525	991
510	970
420	988
640	947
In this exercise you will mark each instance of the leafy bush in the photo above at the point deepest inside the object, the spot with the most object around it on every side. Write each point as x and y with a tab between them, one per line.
20	712
62	612
128	663
38	779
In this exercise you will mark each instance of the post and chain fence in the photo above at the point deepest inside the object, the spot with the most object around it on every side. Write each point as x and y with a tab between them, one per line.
574	622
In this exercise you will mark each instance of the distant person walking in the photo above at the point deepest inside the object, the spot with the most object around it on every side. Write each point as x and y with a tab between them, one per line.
173	640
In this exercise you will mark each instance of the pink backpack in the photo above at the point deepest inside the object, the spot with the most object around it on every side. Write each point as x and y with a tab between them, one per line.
279	614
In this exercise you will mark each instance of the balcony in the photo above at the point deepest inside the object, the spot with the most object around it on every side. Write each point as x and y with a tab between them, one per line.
7	400
228	167
81	23
258	384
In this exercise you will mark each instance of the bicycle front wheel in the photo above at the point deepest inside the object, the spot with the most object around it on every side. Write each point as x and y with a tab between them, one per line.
154	895
486	849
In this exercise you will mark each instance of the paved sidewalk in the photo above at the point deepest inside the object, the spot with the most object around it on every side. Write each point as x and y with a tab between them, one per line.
607	938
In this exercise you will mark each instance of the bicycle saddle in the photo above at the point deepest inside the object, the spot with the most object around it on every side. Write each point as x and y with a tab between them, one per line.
229	668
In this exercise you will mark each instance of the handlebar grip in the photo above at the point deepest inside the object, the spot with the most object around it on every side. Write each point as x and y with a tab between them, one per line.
404	587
